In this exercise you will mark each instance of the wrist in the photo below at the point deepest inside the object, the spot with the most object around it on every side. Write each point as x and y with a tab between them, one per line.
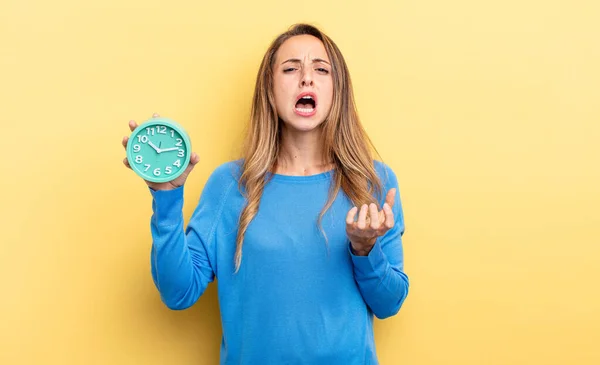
361	249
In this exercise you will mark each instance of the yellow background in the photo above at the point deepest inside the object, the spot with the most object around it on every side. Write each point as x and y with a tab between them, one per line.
487	111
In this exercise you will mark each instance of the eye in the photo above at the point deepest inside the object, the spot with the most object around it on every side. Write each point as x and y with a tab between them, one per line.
289	69
323	70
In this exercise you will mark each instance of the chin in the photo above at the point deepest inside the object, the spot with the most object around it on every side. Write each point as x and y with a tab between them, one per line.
301	124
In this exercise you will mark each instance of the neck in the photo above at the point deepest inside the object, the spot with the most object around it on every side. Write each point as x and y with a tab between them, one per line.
301	153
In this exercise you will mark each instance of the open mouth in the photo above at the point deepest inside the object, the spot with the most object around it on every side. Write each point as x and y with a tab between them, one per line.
306	104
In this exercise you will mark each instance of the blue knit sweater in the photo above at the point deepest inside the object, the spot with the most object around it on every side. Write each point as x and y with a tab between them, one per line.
297	299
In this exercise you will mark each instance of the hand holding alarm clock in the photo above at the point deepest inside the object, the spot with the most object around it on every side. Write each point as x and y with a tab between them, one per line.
159	151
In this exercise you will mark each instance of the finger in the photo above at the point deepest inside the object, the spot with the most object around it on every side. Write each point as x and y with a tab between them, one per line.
124	142
381	216
126	163
194	159
390	198
132	125
374	215
362	216
351	215
155	115
389	216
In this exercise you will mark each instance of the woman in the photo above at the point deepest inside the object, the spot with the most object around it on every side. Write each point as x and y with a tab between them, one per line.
300	276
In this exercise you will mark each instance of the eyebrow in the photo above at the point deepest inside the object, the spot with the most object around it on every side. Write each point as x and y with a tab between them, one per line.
296	60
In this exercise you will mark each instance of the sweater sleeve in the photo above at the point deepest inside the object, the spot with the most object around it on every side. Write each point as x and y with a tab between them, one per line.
183	261
380	275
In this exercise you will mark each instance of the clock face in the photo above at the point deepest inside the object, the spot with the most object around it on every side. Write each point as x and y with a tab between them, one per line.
158	150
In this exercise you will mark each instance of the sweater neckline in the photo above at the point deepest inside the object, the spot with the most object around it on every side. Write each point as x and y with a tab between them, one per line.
300	178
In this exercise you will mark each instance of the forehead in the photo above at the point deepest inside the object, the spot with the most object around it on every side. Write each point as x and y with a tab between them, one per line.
302	46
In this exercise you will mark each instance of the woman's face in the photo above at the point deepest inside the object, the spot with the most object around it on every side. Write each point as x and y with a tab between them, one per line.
303	84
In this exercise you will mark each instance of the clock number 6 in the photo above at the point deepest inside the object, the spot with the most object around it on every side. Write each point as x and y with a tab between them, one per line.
157	171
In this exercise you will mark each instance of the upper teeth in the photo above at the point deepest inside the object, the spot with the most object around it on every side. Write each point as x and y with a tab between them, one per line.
307	97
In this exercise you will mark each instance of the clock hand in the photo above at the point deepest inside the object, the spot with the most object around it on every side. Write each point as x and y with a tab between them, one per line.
158	150
169	149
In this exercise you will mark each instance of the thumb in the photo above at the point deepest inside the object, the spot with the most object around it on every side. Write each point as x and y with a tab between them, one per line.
390	197
194	159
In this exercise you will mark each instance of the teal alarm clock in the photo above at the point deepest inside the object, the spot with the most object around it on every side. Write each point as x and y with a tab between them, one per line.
159	150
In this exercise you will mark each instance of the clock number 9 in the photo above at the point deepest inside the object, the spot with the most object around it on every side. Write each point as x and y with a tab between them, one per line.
136	148
180	153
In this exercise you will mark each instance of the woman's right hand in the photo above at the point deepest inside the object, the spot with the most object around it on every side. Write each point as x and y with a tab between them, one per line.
169	185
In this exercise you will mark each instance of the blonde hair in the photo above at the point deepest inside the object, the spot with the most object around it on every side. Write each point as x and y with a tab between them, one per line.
346	143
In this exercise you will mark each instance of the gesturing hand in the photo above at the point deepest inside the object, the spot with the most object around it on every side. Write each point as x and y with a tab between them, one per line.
370	225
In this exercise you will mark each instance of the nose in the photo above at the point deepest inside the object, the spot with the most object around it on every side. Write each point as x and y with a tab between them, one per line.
307	79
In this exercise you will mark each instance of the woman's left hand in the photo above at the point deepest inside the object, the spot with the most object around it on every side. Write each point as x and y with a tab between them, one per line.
370	225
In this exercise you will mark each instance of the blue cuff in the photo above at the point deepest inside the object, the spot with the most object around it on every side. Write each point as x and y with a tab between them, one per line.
374	262
167	205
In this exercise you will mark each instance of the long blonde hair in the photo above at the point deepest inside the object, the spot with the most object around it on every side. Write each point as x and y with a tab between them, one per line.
346	143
